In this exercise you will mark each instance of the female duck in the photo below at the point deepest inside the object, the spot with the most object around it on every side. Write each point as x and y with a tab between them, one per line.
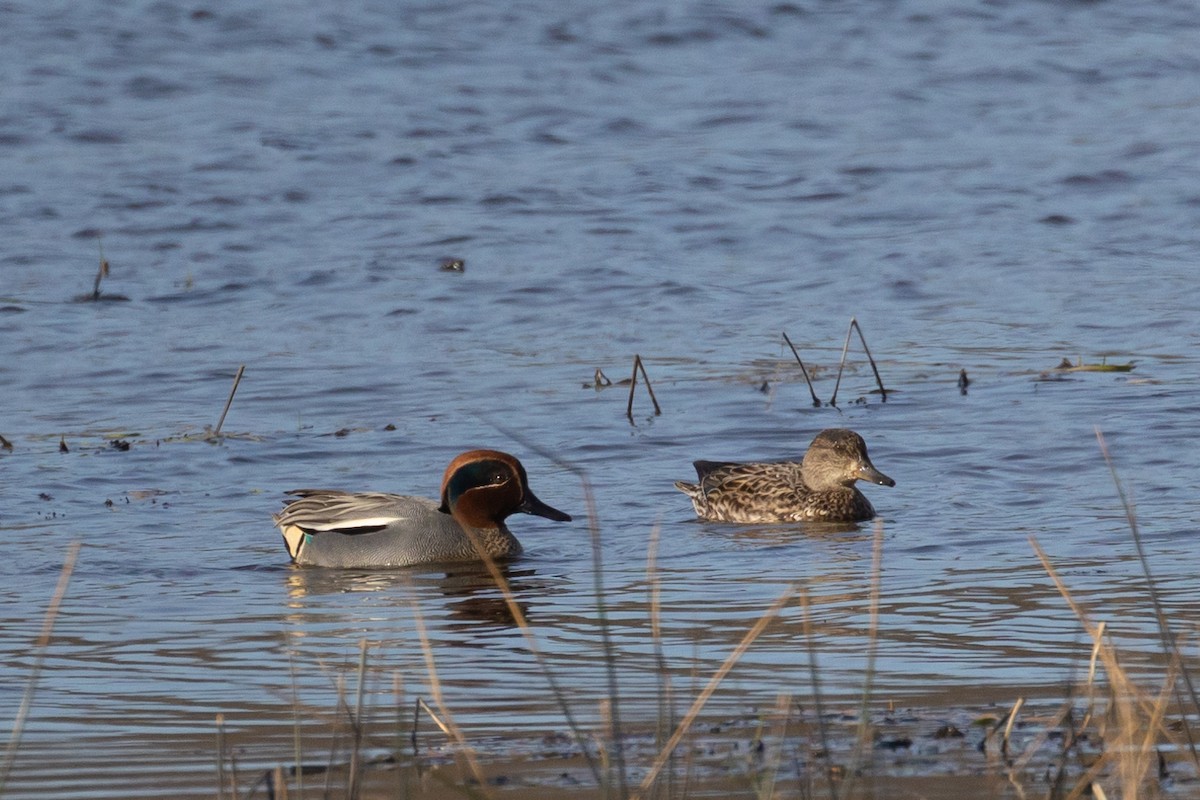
480	489
820	488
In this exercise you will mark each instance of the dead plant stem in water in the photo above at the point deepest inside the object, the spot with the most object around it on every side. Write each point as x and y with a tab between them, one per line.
638	365
40	647
870	359
816	400
237	379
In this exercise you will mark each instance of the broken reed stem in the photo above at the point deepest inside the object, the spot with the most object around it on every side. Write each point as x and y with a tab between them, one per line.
435	688
40	647
822	729
220	757
1008	726
1132	757
1166	635
816	400
298	750
357	721
854	326
101	272
610	658
665	696
711	687
236	380
510	602
638	365
864	727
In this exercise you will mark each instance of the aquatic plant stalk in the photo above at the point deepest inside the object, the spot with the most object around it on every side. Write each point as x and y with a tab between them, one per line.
854	326
638	365
816	400
40	647
102	272
236	380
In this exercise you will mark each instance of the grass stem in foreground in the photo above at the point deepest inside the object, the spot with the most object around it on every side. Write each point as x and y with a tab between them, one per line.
711	687
40	647
1170	646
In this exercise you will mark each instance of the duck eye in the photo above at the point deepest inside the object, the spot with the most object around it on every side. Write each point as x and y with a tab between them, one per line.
498	478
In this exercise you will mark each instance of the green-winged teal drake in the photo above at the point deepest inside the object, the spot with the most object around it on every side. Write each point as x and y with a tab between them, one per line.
480	489
820	488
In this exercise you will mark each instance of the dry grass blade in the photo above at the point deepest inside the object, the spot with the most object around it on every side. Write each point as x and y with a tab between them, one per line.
298	750
1170	646
357	722
822	729
435	687
711	687
221	757
610	659
816	400
40	647
665	696
854	326
864	727
514	608
1136	723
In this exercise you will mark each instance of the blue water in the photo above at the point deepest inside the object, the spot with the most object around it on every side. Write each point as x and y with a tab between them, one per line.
990	188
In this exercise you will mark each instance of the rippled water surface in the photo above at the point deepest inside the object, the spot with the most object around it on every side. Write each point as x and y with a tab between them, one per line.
988	187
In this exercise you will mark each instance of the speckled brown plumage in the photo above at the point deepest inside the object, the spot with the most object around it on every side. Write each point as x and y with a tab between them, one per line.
820	488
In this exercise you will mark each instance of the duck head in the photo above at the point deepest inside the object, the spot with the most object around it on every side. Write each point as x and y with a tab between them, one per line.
838	457
482	488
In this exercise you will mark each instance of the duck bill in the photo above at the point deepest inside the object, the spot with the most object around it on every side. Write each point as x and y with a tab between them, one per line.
867	472
531	505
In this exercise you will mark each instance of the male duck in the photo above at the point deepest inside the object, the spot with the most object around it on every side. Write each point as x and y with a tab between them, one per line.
820	488
481	488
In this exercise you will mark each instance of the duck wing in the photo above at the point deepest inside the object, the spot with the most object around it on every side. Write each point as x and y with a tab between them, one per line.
350	512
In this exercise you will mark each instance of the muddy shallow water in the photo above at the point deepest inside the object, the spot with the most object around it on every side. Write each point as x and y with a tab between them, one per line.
991	190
